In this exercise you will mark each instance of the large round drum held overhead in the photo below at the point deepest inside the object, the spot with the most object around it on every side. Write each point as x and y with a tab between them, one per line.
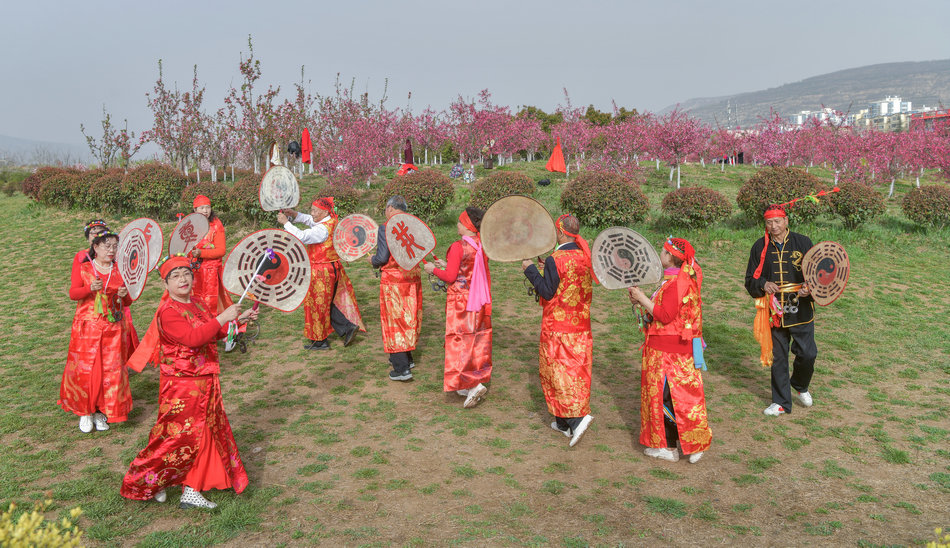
409	239
153	236
826	268
188	232
515	228
623	258
354	236
280	282
132	258
279	189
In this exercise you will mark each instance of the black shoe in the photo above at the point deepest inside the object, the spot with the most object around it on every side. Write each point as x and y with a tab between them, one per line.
394	376
348	338
317	345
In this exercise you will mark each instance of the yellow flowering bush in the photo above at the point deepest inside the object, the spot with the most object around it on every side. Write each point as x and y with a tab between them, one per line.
941	542
32	529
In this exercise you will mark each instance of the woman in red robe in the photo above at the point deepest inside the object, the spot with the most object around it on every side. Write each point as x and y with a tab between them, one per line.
208	252
191	443
468	328
95	383
673	405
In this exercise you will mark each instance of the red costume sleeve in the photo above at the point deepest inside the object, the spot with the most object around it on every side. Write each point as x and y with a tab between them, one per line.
218	242
78	290
454	260
177	328
670	305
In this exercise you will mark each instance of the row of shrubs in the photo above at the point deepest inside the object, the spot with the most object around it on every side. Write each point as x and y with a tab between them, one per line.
598	198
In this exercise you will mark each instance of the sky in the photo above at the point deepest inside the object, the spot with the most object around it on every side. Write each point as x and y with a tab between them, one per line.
62	61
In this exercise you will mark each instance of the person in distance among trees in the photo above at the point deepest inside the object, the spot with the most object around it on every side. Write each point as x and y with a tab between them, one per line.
330	303
468	331
673	404
566	349
785	310
400	301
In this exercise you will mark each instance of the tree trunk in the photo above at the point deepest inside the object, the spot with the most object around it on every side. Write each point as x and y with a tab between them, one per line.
702	161
658	165
198	173
232	173
891	191
672	168
677	175
255	165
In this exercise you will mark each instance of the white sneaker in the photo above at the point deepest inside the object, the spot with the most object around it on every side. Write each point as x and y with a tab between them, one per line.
462	392
161	496
85	424
193	499
774	410
566	431
694	458
101	422
804	398
475	396
663	453
581	428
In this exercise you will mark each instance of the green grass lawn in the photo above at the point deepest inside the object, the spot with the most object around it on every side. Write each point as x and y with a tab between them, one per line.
339	455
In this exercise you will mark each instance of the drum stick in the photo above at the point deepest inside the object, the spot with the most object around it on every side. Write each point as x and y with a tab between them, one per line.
268	254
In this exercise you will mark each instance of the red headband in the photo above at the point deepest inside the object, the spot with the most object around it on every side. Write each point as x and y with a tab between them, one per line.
775	210
325	203
172	263
560	225
679	248
467	222
201	200
581	243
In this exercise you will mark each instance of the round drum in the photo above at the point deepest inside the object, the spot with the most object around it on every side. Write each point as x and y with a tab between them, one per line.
133	260
279	189
409	239
153	235
354	236
280	282
188	232
826	268
515	228
623	258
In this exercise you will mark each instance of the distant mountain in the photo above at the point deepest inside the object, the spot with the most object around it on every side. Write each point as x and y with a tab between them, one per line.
923	83
14	150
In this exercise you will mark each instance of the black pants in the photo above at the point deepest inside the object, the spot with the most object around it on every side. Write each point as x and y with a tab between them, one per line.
400	361
672	433
569	422
339	323
802	339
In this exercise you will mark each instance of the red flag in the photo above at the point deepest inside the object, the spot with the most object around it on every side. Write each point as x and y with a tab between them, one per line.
556	162
306	147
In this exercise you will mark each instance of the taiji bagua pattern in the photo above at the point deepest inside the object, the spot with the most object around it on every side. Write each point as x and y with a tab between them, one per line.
279	189
623	258
354	236
133	261
284	280
188	232
153	236
826	268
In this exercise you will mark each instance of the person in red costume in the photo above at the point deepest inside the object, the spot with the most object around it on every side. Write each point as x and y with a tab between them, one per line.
208	252
673	404
566	350
400	300
191	443
330	303
95	383
468	330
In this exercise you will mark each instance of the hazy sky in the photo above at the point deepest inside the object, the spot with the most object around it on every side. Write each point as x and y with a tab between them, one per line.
60	61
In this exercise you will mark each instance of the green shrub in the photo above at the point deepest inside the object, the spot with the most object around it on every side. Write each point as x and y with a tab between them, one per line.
695	206
244	200
599	198
857	203
779	185
34	182
155	190
346	199
427	192
81	194
107	193
57	189
12	181
928	205
217	192
498	185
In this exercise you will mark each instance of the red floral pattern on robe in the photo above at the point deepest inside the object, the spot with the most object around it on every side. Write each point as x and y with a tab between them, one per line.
400	307
326	273
468	335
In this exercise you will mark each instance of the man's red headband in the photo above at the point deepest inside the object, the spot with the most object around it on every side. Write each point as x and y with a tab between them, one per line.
325	203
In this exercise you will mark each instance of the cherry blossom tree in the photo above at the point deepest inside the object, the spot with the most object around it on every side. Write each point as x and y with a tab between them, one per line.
674	137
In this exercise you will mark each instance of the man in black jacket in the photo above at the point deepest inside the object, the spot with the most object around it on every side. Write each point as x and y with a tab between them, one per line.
774	277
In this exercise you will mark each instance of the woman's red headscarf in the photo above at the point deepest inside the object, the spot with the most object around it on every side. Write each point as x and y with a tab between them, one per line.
581	243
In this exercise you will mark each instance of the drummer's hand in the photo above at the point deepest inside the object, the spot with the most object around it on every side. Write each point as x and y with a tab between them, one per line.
636	295
248	315
290	213
804	291
526	263
282	218
440	263
230	314
122	292
428	267
196	253
96	284
770	288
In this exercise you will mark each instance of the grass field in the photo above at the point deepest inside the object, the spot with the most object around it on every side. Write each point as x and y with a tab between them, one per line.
339	455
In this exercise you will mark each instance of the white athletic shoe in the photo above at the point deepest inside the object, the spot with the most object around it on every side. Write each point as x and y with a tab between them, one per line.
101	422
694	458
85	424
581	428
663	453
804	398
193	499
475	396
566	431
462	392
774	410
161	496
